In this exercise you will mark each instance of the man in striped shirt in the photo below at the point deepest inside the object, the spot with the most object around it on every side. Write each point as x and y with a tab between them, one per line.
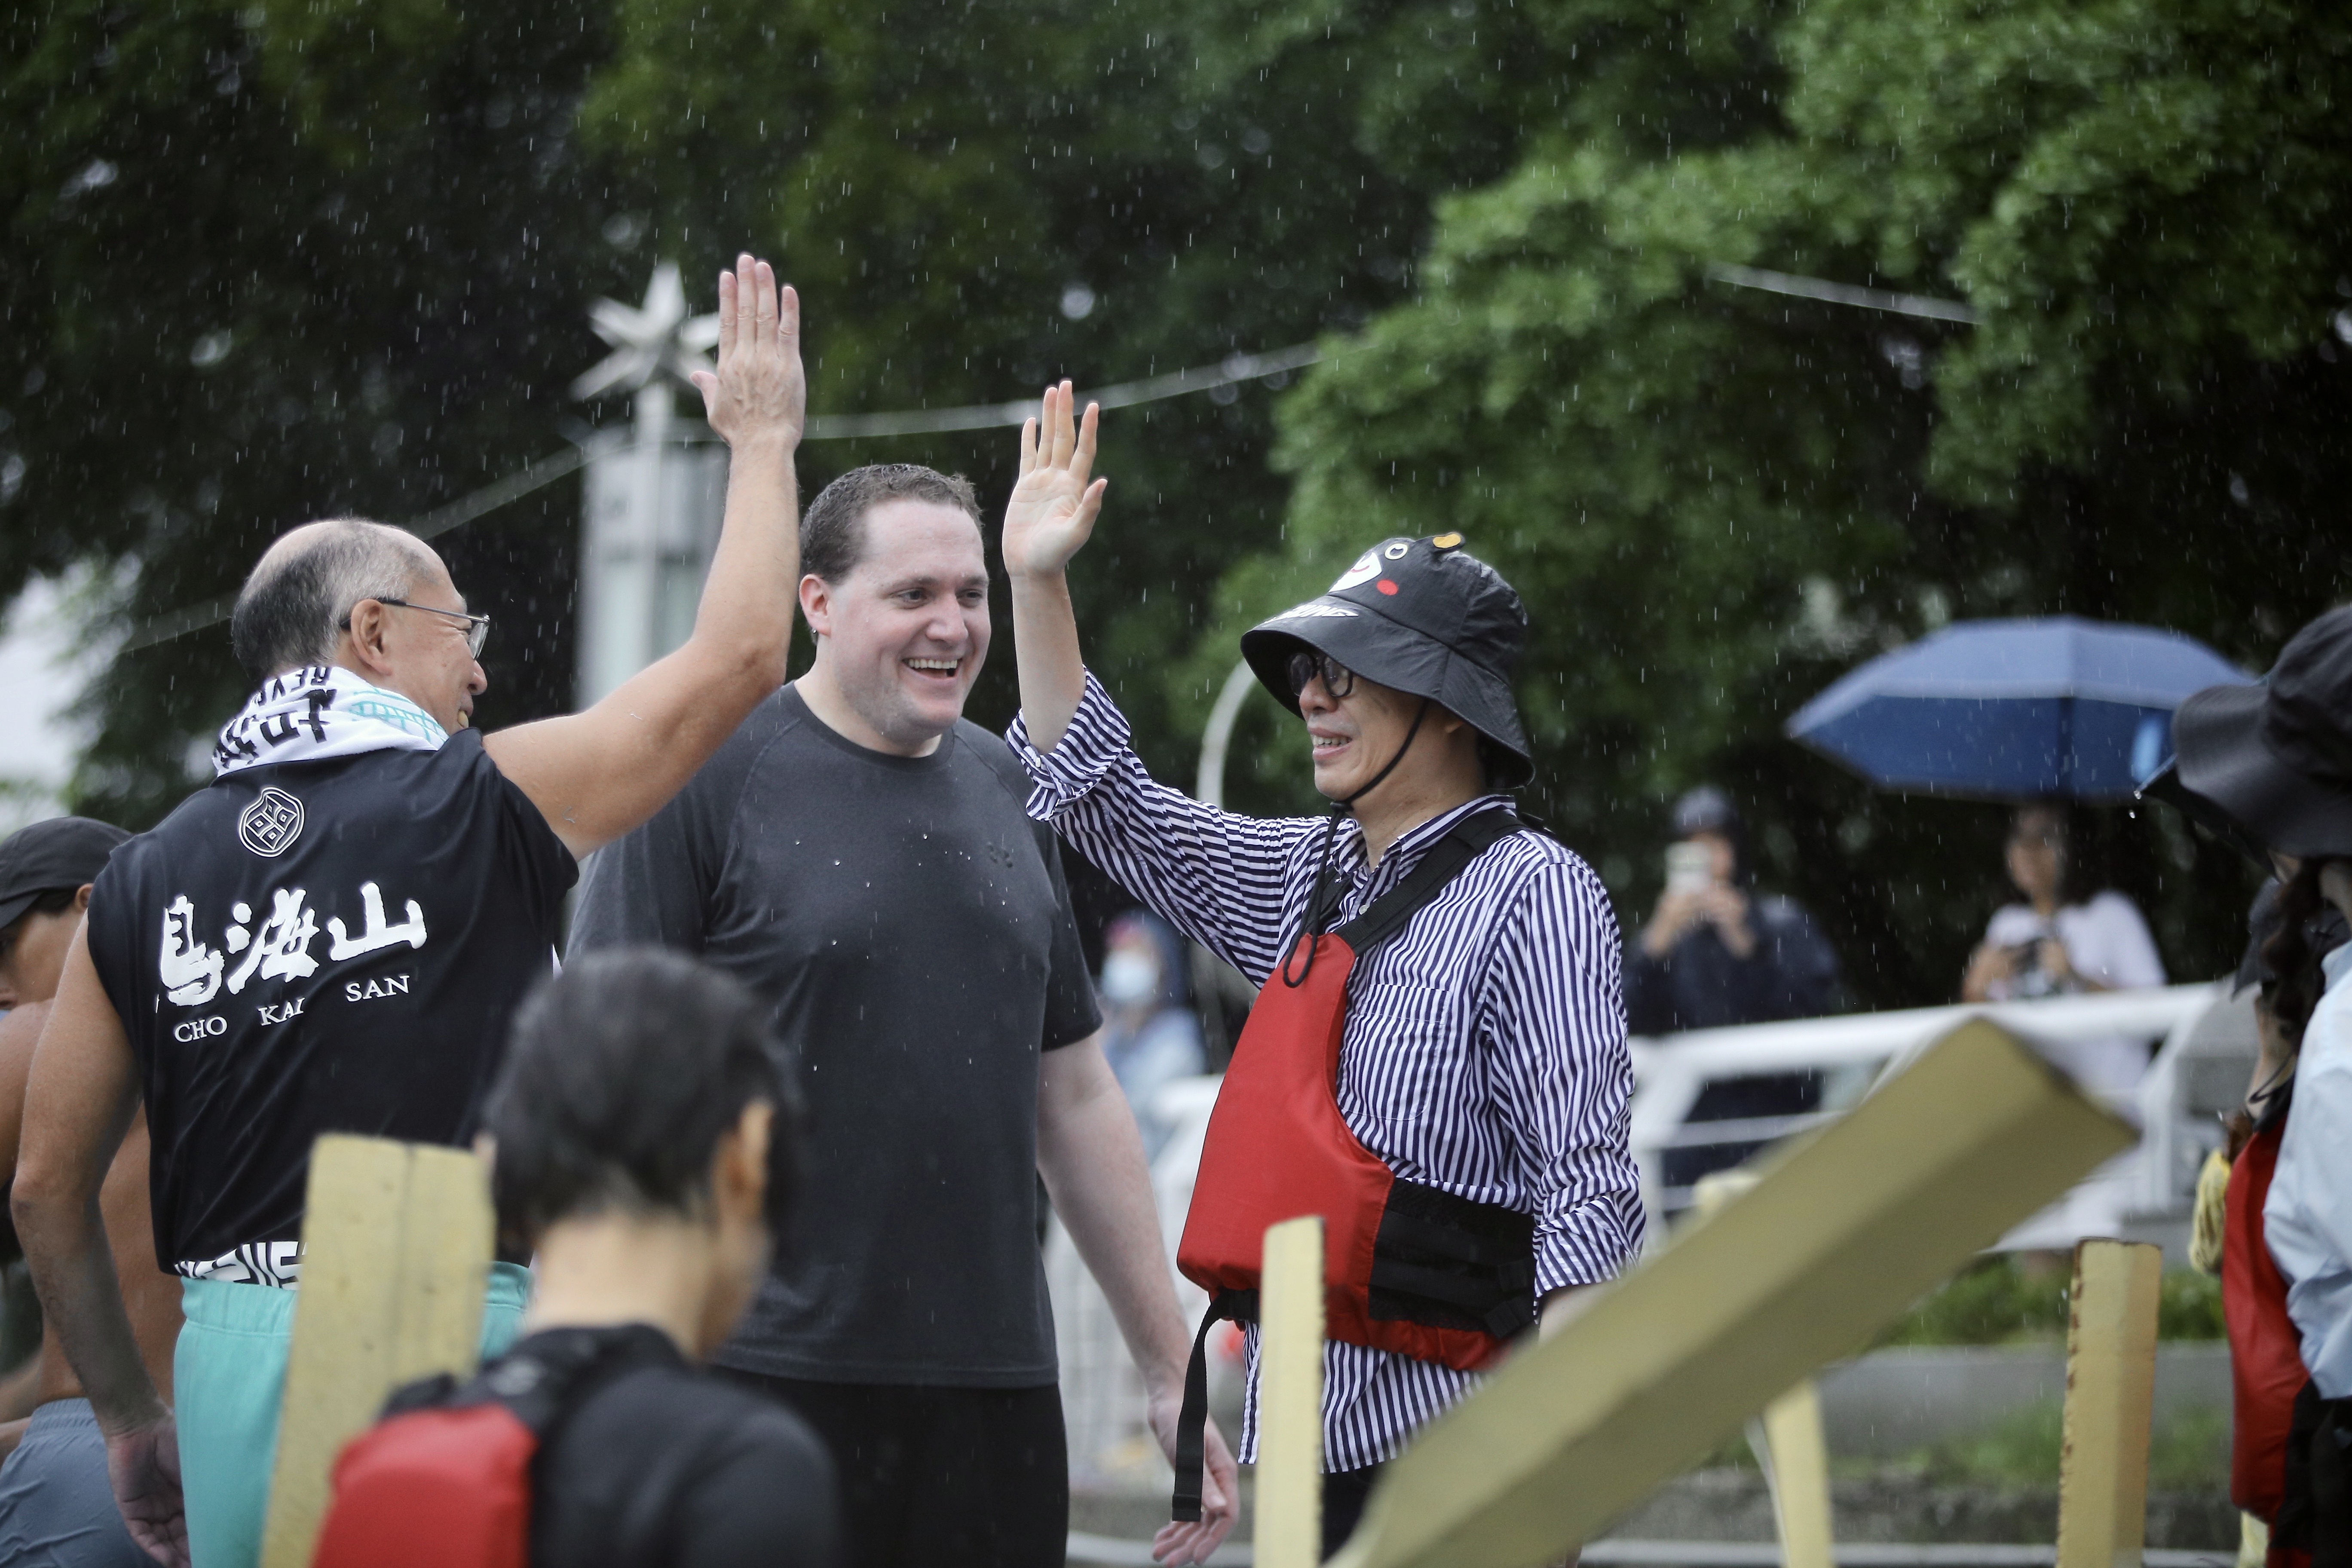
1483	1052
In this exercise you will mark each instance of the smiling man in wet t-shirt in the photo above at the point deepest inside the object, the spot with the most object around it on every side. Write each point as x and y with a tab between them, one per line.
859	854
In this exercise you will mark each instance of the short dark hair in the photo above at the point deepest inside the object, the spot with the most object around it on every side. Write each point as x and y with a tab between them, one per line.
622	1075
299	594
832	530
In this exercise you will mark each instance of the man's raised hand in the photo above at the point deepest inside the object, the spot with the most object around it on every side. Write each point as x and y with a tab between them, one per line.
1054	507
760	392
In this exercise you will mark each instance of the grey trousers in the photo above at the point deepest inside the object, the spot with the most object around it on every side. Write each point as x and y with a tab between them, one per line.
56	1509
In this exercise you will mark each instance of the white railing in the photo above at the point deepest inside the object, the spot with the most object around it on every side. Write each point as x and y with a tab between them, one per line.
1853	1051
1102	1393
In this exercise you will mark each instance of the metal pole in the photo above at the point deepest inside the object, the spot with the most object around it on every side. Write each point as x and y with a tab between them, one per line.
656	405
1210	788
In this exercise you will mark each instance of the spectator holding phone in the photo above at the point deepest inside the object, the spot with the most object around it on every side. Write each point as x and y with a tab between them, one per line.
2065	939
1716	953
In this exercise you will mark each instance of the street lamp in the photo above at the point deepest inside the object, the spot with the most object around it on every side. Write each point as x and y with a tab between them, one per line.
654	495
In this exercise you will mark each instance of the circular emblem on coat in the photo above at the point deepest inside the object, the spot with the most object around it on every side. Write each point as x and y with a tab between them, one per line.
271	824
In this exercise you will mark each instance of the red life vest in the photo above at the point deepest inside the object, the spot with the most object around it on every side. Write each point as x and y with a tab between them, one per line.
2267	1369
444	1478
454	1484
1407	1268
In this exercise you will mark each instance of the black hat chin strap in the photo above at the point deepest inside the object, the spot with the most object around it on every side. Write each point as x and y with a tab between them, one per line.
1323	902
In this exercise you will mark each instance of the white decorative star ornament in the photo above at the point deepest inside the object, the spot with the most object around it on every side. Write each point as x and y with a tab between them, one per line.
649	340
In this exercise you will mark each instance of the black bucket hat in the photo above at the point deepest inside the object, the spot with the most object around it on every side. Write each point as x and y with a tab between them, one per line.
2277	758
1422	616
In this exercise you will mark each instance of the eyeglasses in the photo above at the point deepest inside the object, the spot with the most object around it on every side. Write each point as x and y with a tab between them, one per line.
1308	665
477	627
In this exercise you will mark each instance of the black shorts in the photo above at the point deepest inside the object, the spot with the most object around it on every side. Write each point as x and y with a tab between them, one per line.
979	1477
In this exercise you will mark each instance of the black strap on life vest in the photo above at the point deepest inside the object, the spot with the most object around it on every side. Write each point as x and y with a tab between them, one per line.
1446	859
1441	1259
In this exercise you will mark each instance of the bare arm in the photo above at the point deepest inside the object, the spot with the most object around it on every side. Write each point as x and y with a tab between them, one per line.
20	1031
1049	518
597	775
1092	1161
83	1091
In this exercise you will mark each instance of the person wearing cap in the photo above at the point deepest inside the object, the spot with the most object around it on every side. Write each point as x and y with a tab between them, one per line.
1437	1060
2275	760
56	1506
1716	953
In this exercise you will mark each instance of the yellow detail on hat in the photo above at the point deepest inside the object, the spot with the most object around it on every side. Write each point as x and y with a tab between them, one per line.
1447	541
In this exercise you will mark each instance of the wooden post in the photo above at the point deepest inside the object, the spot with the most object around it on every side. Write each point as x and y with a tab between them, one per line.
1799	1472
1786	1437
1842	1234
396	1241
1290	1531
2110	1384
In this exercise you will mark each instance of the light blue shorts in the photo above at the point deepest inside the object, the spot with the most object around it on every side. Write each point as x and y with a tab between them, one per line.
228	1375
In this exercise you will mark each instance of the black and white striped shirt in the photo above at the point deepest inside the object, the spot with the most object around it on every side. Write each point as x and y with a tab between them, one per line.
1484	1046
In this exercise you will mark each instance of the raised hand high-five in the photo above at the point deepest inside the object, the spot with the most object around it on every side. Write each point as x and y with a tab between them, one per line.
759	390
1053	509
1049	518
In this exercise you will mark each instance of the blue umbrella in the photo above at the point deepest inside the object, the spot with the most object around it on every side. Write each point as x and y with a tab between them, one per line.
2018	709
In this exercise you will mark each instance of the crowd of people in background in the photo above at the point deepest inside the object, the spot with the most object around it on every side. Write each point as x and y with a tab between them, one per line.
768	1145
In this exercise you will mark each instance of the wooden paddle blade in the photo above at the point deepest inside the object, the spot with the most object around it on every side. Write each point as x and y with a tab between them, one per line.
396	1241
1289	1533
1844	1231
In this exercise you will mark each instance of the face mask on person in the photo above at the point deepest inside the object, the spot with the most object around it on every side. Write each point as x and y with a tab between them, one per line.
1130	980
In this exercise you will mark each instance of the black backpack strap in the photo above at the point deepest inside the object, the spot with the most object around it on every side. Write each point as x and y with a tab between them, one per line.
1193	1419
1446	859
542	1382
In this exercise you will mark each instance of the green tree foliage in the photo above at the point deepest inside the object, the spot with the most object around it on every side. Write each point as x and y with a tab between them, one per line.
975	201
1717	499
275	260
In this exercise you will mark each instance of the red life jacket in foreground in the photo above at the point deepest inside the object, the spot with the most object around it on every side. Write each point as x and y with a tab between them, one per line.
1406	1268
444	1478
2267	1369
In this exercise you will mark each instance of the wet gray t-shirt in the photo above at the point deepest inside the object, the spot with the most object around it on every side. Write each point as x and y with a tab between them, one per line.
912	926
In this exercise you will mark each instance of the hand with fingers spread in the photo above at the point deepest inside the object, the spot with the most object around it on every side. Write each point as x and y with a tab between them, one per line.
759	392
1054	507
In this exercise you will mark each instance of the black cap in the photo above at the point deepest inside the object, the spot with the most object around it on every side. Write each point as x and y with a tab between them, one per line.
1707	809
62	853
1420	617
2277	758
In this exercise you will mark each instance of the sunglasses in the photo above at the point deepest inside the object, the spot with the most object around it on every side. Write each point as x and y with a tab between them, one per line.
477	627
1308	665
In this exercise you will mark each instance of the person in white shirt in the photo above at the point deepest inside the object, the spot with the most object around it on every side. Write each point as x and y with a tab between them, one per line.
2277	758
2060	941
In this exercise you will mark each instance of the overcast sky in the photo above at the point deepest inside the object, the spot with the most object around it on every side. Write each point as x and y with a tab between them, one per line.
39	676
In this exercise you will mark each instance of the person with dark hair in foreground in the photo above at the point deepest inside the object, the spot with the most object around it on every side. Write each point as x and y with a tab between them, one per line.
643	1144
333	934
857	853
